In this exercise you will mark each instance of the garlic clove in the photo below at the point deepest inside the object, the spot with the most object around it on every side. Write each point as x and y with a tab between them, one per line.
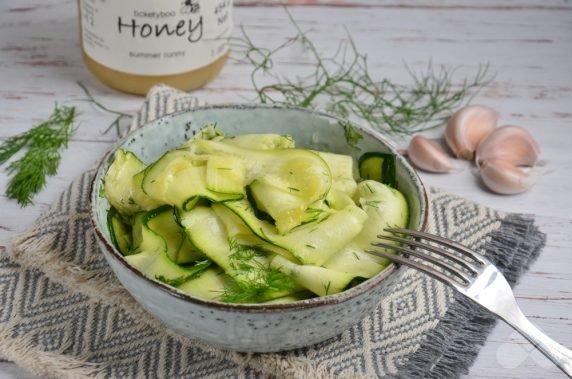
428	156
505	178
468	127
512	144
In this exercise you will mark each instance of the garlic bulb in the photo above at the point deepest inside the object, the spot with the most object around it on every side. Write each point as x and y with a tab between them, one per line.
428	156
511	144
505	178
468	127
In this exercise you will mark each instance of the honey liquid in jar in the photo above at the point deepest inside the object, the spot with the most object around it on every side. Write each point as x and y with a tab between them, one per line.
131	45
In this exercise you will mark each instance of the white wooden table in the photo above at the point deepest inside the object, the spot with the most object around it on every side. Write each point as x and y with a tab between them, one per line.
527	43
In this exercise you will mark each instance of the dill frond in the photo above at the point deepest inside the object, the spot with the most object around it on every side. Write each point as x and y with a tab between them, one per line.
351	134
132	250
253	279
255	287
343	86
373	203
44	144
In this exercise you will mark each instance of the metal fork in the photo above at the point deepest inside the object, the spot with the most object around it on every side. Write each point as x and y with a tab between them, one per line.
474	276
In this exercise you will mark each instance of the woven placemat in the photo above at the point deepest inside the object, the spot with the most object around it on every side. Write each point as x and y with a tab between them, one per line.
63	314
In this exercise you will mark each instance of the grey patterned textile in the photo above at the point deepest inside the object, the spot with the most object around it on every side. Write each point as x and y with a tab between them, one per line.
64	315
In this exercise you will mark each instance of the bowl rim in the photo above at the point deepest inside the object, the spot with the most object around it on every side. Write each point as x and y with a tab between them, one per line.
338	298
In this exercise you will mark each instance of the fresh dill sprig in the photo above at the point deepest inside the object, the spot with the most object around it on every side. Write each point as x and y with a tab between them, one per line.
44	144
373	203
242	257
313	214
132	250
327	287
351	134
343	86
369	188
255	287
253	278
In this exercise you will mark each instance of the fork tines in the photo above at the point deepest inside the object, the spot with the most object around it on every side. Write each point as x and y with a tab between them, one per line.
447	261
472	275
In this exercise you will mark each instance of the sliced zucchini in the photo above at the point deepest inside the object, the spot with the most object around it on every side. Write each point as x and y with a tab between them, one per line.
380	167
312	243
226	174
207	132
234	226
261	220
210	285
258	209
319	280
178	178
207	233
249	266
281	203
299	177
121	190
342	169
145	202
338	200
240	232
191	271
150	253
318	211
356	262
179	247
385	207
188	253
119	231
261	141
144	239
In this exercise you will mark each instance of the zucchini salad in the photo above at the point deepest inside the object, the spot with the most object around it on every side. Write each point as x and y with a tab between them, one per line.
251	218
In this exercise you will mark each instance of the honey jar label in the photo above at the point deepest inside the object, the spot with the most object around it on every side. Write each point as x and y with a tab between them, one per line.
155	37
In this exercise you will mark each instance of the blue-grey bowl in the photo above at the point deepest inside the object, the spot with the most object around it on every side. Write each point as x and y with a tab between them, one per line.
253	327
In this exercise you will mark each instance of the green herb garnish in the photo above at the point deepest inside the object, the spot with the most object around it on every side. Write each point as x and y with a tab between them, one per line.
373	203
314	214
241	258
255	288
44	144
369	188
254	279
351	134
327	287
343	86
132	250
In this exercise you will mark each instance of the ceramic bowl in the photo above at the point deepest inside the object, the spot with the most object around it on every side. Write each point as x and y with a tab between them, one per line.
253	328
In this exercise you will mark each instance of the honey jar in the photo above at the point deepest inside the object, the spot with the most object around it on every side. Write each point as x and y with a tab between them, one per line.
131	45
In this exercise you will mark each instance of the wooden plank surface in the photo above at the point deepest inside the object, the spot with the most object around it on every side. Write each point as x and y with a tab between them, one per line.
433	4
528	44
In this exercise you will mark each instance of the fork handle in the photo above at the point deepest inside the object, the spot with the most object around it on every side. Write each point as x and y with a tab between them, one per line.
561	356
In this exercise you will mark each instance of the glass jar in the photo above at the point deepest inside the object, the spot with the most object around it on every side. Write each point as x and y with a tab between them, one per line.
131	45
